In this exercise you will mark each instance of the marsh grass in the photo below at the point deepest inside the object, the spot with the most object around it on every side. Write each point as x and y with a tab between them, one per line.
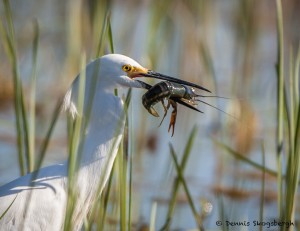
6	210
31	132
280	104
262	194
288	126
287	136
75	151
26	133
116	201
197	217
180	179
9	42
292	147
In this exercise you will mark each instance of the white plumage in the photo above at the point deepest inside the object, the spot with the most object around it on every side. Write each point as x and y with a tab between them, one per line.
48	197
45	198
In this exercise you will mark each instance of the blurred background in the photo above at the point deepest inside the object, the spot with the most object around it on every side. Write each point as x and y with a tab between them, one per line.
229	47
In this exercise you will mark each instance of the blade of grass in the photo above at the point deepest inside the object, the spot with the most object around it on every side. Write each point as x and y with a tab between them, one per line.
208	63
153	216
243	158
110	37
122	188
6	210
296	72
102	209
262	194
280	104
184	184
103	32
123	163
25	131
297	99
104	198
292	170
297	148
20	110
9	38
124	167
291	165
130	142
100	44
33	98
46	140
222	211
75	151
176	185
104	201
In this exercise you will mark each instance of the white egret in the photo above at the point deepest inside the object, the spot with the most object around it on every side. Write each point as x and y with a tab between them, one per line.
49	190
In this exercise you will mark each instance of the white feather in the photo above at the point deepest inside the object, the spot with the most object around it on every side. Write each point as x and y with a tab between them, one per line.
41	204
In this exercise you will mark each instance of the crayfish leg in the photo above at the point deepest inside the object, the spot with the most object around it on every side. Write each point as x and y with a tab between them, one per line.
173	116
166	108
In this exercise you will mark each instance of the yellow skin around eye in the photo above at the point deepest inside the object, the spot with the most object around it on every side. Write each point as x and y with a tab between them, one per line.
127	68
133	71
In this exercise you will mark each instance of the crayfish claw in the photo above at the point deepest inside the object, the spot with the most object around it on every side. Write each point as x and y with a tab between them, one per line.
152	111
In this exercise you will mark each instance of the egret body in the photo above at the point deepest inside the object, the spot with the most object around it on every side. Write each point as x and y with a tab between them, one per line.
47	206
48	192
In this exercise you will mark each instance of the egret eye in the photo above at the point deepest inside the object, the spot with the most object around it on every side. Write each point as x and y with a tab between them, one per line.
127	68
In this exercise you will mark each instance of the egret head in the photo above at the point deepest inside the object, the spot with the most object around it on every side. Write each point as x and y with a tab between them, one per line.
111	71
123	71
120	70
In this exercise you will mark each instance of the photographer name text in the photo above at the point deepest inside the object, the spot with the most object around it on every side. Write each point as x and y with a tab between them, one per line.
255	223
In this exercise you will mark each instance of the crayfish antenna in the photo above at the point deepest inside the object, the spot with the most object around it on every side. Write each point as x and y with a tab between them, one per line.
212	96
180	101
198	100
